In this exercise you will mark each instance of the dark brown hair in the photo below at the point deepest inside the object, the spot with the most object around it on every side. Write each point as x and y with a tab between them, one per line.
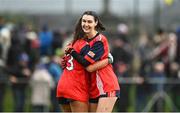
79	33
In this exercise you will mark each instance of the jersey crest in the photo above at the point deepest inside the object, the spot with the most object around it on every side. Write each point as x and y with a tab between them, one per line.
91	54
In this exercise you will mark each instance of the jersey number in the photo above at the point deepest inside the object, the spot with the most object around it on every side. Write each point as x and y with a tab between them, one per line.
70	65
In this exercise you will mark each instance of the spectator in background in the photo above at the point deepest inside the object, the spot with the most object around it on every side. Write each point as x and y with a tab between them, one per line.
32	46
41	84
175	72
160	60
55	70
142	89
123	31
122	61
122	58
171	53
160	52
15	49
159	76
19	77
21	34
165	53
57	41
14	68
46	37
5	41
3	80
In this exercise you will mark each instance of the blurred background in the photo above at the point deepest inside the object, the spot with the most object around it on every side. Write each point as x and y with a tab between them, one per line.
144	38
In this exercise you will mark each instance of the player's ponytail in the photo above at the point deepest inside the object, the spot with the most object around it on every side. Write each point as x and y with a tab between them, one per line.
78	33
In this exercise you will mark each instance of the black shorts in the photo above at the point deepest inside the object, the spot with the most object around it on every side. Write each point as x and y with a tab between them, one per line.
108	94
94	100
62	100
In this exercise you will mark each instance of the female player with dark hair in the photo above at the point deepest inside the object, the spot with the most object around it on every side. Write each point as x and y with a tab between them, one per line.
104	87
73	86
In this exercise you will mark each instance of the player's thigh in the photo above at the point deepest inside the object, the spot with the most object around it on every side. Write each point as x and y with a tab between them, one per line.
65	107
93	107
77	106
106	104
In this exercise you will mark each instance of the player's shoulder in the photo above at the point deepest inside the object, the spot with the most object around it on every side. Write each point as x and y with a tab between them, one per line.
101	37
81	42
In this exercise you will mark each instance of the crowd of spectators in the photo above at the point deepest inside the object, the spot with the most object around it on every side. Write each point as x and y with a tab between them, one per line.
29	57
152	64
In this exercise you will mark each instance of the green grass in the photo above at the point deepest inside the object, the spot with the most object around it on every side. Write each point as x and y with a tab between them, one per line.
8	100
9	103
132	98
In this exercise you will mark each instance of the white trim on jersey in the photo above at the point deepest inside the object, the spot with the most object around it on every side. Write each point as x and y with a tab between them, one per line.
99	84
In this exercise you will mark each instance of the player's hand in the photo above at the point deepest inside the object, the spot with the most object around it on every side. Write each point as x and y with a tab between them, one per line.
63	62
110	58
68	49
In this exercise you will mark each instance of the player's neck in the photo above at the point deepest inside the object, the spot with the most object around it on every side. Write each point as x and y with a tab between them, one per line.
92	34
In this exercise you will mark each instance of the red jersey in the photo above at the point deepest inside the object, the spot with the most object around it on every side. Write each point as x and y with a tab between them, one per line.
73	83
103	80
